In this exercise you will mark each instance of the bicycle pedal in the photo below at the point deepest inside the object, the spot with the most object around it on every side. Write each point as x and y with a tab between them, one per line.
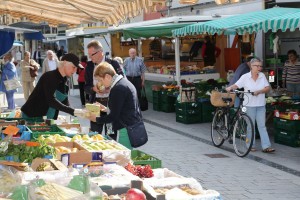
230	140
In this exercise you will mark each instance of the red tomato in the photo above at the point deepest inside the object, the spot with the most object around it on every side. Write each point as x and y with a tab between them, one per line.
135	194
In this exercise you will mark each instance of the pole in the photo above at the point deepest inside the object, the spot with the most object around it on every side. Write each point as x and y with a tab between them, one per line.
177	61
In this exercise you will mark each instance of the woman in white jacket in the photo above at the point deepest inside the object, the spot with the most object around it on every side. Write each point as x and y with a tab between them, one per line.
50	63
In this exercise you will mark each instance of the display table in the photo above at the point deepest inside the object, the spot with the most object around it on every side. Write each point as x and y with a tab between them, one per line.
189	78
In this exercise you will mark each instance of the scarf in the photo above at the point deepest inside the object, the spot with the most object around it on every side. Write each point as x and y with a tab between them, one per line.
115	79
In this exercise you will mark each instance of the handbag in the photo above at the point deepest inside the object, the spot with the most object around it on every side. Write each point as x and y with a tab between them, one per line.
12	84
143	100
33	73
137	133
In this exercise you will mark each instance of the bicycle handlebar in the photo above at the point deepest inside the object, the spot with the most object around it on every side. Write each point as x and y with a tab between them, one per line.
242	92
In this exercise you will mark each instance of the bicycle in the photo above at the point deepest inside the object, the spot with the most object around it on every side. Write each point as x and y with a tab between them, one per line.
239	126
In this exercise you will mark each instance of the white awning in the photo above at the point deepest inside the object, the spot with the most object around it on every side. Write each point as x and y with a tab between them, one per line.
75	12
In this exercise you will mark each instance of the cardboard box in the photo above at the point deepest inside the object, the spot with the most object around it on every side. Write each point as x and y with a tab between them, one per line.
80	157
56	163
119	156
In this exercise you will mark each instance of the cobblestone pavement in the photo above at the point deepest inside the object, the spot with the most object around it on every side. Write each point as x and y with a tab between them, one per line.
185	149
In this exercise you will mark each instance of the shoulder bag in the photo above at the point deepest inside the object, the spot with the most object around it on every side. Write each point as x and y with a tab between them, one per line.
12	84
137	133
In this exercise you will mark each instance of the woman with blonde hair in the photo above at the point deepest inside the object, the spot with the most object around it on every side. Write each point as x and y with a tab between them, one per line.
28	81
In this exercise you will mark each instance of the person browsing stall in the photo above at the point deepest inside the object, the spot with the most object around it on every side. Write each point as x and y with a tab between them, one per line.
50	94
95	90
291	73
255	81
135	71
123	107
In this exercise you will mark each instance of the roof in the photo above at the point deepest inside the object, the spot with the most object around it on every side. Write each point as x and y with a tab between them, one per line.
270	19
16	29
75	12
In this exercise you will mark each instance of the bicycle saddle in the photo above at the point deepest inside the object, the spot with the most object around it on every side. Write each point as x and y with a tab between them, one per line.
227	99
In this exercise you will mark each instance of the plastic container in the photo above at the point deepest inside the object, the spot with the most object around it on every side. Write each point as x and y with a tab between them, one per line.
45	130
287	138
152	161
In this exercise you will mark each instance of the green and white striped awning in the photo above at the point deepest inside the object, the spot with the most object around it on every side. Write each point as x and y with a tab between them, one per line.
270	19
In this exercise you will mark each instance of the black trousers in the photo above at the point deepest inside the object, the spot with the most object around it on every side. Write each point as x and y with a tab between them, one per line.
137	82
83	96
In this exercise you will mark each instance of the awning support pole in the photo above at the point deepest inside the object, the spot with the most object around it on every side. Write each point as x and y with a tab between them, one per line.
140	50
177	60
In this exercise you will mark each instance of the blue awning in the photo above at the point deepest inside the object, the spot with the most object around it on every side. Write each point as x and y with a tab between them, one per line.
6	41
34	36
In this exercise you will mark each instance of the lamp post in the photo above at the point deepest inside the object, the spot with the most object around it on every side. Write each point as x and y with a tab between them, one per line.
169	5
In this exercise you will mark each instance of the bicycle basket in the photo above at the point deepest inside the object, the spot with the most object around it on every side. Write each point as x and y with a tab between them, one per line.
216	98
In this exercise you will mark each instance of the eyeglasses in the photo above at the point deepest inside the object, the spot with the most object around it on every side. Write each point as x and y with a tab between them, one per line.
94	54
257	66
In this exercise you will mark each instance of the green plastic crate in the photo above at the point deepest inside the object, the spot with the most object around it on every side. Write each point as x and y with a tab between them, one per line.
124	139
156	95
45	130
207	110
188	119
165	98
156	106
187	106
292	126
167	107
287	138
153	162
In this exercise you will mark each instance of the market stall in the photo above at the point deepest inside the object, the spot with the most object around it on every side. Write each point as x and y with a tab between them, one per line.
61	160
163	55
284	106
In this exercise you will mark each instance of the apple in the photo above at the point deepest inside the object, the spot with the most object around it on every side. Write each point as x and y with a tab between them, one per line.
135	194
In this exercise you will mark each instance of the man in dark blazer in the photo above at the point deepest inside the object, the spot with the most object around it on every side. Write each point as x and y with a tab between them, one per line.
96	92
37	56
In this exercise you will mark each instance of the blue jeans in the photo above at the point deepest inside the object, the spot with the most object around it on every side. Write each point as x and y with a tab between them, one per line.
295	88
258	114
10	100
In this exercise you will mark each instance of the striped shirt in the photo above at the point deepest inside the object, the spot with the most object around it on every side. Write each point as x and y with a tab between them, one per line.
291	73
134	67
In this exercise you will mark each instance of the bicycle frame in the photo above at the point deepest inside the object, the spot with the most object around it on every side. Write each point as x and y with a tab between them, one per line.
232	119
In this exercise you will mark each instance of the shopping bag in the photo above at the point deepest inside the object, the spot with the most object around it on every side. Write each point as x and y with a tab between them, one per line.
187	94
12	84
137	134
143	100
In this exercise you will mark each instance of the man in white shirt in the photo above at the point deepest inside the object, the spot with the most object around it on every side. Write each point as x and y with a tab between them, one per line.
50	63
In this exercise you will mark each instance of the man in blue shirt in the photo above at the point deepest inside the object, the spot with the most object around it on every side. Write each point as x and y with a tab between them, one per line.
135	71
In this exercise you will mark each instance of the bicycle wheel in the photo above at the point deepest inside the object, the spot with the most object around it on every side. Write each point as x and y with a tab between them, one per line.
218	128
243	135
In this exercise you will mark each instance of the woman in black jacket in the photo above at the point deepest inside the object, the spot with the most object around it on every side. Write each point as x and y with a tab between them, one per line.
123	107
